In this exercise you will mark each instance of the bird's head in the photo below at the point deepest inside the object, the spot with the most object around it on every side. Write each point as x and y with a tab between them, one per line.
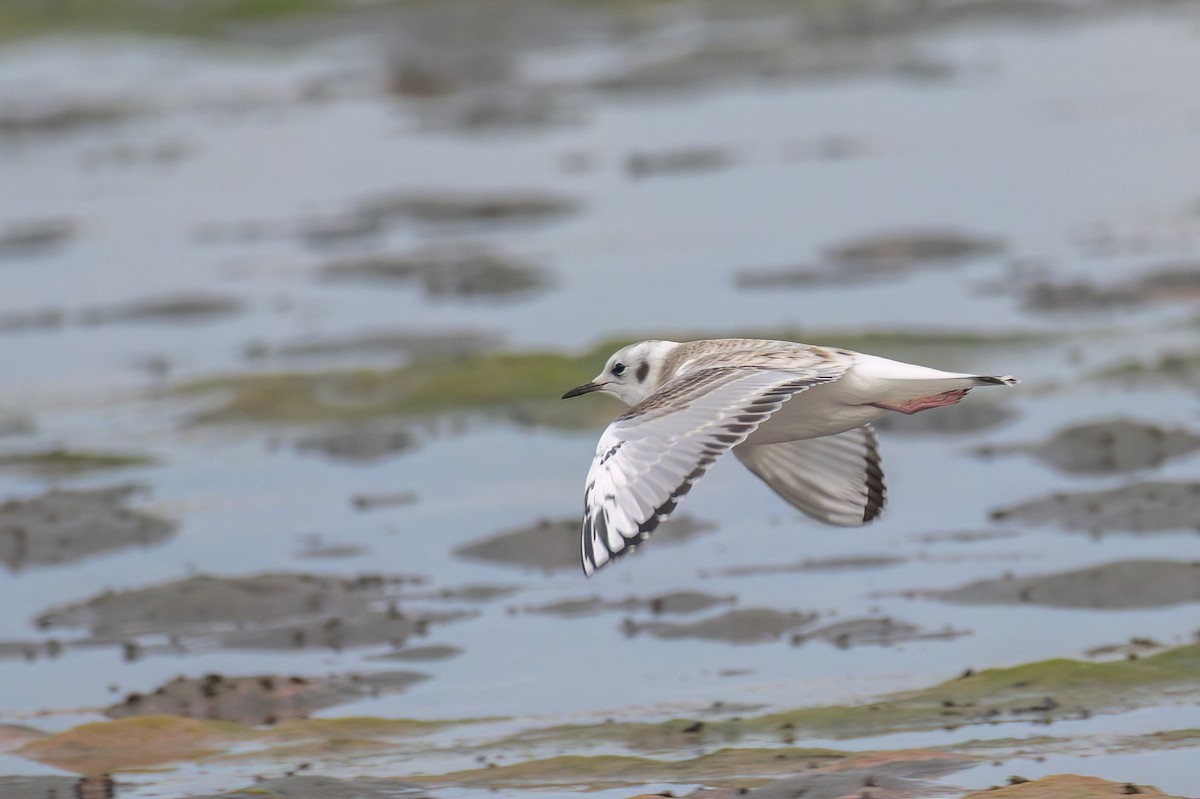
632	373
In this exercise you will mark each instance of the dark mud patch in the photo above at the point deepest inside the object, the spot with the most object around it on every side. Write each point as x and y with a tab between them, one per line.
682	160
965	536
316	548
679	602
30	650
1112	586
34	236
61	527
1117	446
881	631
274	611
264	699
65	463
1066	786
362	444
554	545
52	117
17	425
450	207
419	654
391	627
916	247
874	257
51	787
305	786
173	308
335	229
395	499
396	345
445	211
1179	282
503	108
203	603
1137	508
473	592
26	321
971	416
458	269
847	563
746	626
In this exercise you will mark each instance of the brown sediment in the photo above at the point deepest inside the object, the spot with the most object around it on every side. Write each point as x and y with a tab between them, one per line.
1116	446
744	626
363	443
1111	586
1150	507
679	602
1065	786
186	307
461	269
875	257
554	544
61	527
261	699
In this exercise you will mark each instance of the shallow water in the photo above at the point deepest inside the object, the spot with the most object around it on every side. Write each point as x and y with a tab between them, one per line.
1038	137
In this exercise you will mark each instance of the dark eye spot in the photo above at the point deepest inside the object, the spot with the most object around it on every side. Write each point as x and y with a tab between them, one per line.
618	368
643	370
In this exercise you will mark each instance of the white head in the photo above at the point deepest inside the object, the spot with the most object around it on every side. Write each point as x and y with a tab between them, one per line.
632	373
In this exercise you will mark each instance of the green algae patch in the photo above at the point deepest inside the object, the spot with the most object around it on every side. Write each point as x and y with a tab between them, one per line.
124	16
1041	691
362	727
1168	368
1044	743
1065	786
523	387
745	766
65	463
1167	739
133	743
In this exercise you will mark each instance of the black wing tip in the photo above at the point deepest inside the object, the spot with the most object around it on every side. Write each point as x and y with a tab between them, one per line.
992	380
876	487
874	507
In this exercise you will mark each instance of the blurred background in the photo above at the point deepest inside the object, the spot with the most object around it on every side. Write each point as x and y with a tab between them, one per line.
289	290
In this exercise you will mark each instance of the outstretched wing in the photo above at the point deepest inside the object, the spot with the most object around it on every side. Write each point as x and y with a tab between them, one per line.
652	454
835	479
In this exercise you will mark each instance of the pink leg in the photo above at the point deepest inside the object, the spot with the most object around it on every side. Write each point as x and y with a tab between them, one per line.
924	403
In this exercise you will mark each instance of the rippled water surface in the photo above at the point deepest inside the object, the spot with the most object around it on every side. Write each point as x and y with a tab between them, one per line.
232	176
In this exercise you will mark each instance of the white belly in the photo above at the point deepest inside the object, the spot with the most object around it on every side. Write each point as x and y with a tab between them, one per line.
844	404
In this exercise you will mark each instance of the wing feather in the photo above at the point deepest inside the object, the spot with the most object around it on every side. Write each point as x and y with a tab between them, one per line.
650	457
835	479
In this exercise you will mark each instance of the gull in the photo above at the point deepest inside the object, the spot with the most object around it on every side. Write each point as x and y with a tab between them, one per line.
796	415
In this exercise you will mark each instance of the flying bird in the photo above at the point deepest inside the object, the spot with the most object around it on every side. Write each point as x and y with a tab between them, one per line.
797	416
